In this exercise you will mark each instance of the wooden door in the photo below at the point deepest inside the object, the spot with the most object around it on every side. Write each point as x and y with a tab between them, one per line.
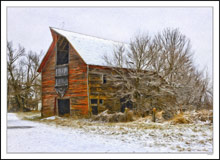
63	107
95	110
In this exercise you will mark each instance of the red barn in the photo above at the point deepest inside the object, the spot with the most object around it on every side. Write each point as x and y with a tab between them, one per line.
74	75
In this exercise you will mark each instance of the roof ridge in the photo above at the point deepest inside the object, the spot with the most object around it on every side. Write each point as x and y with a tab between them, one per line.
89	35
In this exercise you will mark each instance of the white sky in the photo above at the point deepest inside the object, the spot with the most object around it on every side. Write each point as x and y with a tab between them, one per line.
30	26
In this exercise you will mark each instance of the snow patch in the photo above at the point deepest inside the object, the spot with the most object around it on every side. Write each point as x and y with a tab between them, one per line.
49	118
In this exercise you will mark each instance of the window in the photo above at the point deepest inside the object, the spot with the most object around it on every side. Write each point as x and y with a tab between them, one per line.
61	76
104	80
61	71
101	101
94	101
61	81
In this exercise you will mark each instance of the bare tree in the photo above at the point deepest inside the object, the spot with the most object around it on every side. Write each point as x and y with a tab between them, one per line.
31	82
134	78
173	55
23	78
158	72
13	76
174	63
201	94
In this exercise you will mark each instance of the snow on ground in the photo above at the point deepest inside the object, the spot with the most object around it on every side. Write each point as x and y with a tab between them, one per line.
44	138
157	137
86	136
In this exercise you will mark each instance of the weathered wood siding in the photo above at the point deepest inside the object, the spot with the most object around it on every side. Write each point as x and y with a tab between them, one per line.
77	80
48	82
99	90
77	90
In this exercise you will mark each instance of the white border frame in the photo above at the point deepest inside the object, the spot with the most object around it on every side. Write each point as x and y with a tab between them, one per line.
214	4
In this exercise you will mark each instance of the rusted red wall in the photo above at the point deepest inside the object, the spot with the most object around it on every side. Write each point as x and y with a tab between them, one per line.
48	81
77	89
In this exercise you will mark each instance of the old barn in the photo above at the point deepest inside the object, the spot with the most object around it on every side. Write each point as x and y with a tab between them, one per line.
74	79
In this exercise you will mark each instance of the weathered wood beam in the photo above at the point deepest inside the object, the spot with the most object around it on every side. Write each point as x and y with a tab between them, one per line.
61	41
65	43
63	50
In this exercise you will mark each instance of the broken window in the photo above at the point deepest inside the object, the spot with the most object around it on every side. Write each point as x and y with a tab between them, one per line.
61	81
61	71
61	76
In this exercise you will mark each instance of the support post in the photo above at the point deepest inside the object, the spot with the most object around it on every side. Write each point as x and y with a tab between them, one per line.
154	115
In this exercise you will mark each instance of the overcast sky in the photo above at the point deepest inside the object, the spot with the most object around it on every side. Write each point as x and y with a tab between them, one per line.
30	26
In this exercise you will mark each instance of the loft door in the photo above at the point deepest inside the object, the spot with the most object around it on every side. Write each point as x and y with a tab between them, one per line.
62	61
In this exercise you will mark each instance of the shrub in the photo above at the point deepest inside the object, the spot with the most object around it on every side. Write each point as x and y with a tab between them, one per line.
167	115
180	119
114	117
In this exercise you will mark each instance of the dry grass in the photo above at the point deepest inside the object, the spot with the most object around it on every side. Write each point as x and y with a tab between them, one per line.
115	117
180	119
159	115
192	117
204	115
188	117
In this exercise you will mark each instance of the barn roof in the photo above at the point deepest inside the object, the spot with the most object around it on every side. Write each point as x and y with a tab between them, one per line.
90	48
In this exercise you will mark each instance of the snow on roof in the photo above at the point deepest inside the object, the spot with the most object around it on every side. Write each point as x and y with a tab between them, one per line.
91	49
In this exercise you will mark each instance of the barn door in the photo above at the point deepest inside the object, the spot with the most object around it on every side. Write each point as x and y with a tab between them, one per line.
94	110
63	106
94	105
